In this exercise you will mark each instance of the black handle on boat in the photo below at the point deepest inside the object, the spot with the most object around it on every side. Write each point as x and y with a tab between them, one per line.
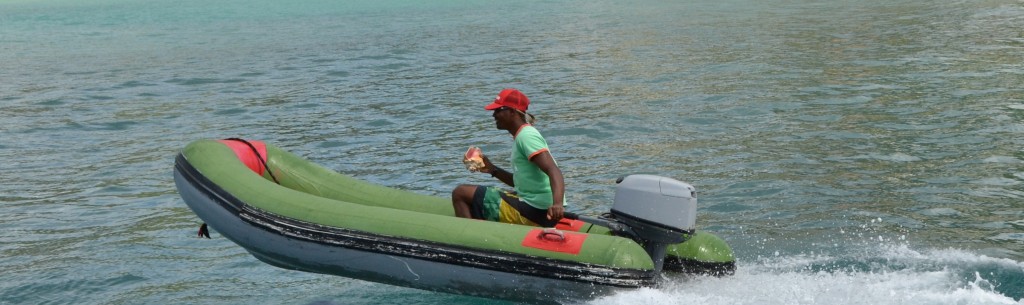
552	234
611	224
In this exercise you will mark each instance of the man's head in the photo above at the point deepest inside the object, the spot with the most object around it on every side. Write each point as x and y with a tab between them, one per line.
511	98
509	110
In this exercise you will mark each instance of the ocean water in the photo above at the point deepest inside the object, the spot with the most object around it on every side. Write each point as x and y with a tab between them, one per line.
851	152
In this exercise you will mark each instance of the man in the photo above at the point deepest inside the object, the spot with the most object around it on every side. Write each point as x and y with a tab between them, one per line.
539	187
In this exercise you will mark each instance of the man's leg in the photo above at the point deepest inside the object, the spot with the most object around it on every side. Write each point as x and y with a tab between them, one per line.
462	197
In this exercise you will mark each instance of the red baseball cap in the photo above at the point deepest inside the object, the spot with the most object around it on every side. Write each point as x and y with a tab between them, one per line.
511	98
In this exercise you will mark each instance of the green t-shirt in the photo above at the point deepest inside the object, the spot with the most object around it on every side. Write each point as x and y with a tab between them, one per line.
532	185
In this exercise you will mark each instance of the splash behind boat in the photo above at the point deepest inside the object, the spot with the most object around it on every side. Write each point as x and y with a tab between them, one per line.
294	214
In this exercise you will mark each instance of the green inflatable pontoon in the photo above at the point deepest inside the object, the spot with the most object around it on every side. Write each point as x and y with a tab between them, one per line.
294	214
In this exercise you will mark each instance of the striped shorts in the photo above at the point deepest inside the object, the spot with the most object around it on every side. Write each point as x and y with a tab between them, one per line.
494	204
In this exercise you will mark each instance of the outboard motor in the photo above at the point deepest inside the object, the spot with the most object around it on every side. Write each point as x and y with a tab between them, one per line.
659	211
654	211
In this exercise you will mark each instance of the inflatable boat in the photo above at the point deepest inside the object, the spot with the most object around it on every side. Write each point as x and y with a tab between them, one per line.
291	213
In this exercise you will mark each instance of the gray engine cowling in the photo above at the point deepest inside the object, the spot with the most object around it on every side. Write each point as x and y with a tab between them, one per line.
661	202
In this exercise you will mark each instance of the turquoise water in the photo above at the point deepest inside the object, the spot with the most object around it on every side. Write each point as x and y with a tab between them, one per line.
852	152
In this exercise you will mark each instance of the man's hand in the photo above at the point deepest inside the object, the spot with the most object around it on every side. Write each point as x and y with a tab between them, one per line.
488	166
555	212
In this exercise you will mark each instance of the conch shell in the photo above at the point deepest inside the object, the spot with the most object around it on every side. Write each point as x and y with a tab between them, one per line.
474	159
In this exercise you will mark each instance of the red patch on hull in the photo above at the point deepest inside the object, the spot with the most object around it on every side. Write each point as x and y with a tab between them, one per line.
555	240
570	224
246	155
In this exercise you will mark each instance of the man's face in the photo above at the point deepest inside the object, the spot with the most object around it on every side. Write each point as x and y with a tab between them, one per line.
501	117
